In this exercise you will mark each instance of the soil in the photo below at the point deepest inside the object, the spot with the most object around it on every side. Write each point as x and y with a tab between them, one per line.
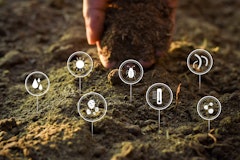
131	34
40	35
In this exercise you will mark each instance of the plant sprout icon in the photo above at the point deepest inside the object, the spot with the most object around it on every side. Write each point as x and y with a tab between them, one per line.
202	64
199	61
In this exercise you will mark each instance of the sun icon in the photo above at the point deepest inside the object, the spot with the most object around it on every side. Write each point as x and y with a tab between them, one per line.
80	64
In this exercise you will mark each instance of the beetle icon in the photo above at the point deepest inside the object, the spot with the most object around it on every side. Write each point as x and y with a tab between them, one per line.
131	72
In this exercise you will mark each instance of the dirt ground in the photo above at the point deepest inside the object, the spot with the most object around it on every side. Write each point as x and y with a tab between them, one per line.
40	35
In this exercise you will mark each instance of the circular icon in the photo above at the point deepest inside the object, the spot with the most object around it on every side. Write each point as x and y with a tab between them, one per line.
79	64
92	107
159	96
209	108
37	83
199	61
130	71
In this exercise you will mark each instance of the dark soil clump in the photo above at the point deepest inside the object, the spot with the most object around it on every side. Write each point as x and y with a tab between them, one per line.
136	29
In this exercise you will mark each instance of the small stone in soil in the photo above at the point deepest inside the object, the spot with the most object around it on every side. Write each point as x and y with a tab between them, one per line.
113	77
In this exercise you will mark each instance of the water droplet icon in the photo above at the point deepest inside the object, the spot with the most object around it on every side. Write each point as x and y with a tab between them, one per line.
38	80
35	84
40	87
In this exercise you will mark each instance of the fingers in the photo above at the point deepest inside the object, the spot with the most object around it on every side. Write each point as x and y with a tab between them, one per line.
94	16
105	60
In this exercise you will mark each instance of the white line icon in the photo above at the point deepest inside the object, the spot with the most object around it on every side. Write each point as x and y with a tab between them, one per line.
209	108
130	72
159	96
199	61
92	107
80	64
37	84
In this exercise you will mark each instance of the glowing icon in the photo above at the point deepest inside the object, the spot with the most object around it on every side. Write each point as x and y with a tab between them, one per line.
209	108
37	84
79	64
199	62
159	96
92	107
130	72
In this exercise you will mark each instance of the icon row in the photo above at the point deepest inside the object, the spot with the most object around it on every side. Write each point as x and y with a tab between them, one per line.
93	106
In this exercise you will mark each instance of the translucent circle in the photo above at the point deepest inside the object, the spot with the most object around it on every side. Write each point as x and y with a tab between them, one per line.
199	61
92	107
130	71
213	111
159	96
79	64
37	83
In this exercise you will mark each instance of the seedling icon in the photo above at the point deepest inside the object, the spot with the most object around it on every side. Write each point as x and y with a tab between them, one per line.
199	62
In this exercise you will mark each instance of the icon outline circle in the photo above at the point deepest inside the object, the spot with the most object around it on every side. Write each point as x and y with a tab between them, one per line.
130	61
79	107
199	106
170	96
79	53
195	52
37	72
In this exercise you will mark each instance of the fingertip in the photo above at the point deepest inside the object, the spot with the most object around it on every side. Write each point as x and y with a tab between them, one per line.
90	36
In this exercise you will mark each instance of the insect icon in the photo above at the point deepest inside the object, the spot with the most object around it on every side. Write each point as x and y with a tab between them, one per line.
131	72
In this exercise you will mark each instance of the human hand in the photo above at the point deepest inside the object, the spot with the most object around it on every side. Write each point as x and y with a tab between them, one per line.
94	15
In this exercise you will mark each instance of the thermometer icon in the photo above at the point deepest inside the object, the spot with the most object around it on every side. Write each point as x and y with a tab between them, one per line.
159	96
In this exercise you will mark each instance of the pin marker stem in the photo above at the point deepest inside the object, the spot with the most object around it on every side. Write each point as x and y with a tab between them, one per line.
80	86
208	125
92	128
37	103
199	82
159	120
130	93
